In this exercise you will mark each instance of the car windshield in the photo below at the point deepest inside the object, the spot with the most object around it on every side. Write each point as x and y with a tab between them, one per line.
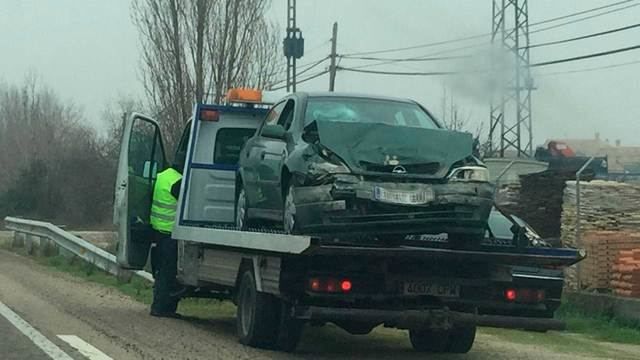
362	110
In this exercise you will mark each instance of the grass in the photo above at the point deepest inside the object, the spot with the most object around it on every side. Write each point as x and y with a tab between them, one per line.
138	289
600	327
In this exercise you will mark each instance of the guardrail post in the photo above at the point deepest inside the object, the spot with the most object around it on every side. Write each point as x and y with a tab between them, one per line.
18	239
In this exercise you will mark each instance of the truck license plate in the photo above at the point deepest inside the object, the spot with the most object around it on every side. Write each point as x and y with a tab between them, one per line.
425	288
402	197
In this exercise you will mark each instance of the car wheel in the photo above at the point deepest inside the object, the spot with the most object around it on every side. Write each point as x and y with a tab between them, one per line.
242	219
289	213
425	340
256	316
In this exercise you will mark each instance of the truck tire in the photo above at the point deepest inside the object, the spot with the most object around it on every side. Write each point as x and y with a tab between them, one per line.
257	314
461	339
426	340
289	329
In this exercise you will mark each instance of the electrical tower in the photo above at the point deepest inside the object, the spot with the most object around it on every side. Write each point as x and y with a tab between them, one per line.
510	117
293	45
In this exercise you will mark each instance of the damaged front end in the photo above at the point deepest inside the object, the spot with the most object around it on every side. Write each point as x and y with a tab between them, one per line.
397	193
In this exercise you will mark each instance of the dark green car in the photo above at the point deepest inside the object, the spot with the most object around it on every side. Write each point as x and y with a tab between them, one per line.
345	166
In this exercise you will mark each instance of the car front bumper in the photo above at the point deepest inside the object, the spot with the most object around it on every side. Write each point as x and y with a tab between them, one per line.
349	206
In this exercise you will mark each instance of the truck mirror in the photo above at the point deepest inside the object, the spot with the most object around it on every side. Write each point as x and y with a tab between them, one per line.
310	133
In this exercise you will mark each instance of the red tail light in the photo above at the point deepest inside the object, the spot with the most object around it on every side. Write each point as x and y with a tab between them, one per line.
329	285
524	295
345	285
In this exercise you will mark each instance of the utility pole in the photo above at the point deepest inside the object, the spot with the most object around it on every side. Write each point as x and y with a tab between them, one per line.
333	68
510	112
293	45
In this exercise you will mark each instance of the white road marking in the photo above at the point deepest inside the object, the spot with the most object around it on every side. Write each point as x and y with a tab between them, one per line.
34	335
84	348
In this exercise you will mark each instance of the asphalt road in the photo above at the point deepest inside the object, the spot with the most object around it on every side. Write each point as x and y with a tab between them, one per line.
115	326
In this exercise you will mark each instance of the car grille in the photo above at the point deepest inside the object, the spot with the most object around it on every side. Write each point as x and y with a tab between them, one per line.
425	168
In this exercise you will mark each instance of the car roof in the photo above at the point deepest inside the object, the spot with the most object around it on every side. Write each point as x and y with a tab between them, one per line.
315	94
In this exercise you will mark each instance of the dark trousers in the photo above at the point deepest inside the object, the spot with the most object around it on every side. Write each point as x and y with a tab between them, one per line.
164	263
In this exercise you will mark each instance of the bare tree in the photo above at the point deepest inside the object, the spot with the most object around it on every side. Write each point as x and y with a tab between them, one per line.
195	50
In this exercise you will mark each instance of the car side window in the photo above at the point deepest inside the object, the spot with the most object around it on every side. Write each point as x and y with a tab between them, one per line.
286	118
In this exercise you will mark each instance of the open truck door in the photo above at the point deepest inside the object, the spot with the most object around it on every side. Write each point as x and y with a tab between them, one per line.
142	157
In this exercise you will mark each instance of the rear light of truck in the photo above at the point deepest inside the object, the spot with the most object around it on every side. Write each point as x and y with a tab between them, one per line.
209	115
329	285
528	296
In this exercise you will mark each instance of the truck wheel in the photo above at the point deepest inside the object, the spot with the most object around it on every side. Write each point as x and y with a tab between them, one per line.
242	219
461	339
435	341
289	213
256	316
289	329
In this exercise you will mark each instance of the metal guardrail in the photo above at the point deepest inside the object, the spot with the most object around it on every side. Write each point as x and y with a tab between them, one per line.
39	231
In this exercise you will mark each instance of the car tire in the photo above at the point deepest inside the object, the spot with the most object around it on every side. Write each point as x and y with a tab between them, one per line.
425	340
257	314
242	210
289	223
461	339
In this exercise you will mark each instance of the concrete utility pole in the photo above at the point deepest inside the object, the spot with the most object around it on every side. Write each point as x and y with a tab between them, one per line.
511	109
333	68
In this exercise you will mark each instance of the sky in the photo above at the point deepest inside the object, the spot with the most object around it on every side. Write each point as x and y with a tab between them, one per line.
88	52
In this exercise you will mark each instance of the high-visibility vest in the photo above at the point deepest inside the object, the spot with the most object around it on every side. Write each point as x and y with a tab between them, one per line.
163	207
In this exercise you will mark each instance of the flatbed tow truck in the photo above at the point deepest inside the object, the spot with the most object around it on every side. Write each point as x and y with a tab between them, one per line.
281	282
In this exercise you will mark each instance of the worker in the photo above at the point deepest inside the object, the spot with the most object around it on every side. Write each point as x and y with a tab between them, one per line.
164	252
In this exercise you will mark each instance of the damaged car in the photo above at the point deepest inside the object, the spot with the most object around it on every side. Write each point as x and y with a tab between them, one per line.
344	166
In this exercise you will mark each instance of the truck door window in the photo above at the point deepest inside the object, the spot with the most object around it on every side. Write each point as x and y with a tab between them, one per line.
286	118
274	114
229	142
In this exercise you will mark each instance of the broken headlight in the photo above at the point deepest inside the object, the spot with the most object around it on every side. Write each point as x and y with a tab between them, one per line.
469	173
327	162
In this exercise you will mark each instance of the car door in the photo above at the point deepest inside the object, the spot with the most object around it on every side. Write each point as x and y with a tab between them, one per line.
254	154
142	157
270	169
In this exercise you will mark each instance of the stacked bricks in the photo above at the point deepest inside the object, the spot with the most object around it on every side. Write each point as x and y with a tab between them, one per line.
603	250
607	208
625	280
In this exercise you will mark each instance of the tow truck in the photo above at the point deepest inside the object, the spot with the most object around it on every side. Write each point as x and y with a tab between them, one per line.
281	282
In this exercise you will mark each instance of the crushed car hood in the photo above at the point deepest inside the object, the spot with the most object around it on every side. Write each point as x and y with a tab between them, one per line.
405	151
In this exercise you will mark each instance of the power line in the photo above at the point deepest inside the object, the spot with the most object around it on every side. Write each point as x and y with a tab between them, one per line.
588	56
582	19
420	46
314	65
379	72
303	80
439	73
581	12
589	69
584	36
417	59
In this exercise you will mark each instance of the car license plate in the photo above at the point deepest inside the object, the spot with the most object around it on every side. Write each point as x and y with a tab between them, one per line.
426	288
402	197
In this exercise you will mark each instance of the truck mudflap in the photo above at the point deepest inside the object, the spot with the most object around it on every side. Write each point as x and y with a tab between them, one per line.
526	257
428	318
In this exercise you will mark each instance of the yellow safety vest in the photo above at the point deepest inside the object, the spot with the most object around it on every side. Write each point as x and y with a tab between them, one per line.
163	208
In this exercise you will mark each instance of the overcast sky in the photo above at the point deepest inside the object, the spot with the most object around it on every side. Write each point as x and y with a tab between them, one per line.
87	51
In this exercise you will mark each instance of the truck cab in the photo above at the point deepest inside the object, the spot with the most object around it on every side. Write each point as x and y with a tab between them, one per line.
280	282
